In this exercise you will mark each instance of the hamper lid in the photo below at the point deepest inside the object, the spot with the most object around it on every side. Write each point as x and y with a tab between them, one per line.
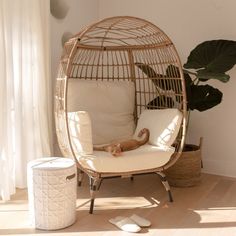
51	163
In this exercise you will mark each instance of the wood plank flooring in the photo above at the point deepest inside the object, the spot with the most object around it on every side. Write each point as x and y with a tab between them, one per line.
207	209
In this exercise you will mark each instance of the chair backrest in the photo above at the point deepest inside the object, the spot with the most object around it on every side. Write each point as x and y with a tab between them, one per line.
119	50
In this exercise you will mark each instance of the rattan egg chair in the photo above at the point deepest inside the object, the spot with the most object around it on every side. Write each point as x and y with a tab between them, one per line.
118	51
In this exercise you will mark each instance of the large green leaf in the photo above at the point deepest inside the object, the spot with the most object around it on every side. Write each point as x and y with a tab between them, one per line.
203	97
160	101
148	70
166	82
151	73
214	56
173	71
162	81
204	75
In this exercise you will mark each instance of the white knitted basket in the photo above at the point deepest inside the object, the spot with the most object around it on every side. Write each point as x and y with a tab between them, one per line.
52	192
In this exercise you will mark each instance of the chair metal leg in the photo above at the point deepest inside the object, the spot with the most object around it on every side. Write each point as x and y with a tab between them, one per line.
166	184
99	184
80	177
94	186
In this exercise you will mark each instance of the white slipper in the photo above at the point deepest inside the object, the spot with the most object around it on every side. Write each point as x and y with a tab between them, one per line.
126	224
140	221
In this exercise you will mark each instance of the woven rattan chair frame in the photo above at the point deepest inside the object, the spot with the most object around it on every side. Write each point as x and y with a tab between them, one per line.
122	48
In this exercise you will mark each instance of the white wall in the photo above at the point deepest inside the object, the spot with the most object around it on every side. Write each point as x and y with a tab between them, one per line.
188	23
80	14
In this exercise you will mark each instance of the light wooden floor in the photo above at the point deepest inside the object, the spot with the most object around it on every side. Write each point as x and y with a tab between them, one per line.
209	209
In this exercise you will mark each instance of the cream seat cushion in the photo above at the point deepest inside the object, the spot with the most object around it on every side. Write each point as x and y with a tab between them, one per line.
144	158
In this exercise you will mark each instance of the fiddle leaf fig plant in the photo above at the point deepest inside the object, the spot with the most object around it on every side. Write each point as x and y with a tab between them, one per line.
209	60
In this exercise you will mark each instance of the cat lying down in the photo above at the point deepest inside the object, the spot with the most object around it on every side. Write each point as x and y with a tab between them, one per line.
117	148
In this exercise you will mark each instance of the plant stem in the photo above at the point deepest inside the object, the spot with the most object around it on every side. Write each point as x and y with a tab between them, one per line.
189	72
188	119
196	79
187	127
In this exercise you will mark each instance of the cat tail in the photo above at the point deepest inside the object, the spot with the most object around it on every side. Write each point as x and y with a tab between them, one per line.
146	138
102	148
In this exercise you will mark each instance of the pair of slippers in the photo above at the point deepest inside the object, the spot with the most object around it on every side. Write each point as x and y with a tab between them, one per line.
132	224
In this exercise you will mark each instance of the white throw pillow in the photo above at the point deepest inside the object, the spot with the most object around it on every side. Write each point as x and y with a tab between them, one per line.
110	105
163	124
80	132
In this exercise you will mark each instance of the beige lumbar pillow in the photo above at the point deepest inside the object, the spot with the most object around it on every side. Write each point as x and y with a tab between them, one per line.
163	124
80	132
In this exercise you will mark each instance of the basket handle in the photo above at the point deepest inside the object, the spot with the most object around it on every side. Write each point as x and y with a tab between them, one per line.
200	148
69	177
200	142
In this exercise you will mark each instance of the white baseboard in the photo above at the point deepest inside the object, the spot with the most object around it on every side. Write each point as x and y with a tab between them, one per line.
219	168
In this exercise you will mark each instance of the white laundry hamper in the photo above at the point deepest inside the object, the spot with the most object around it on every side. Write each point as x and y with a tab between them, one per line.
52	192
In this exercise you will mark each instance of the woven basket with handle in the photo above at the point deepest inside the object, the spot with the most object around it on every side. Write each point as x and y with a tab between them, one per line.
186	172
